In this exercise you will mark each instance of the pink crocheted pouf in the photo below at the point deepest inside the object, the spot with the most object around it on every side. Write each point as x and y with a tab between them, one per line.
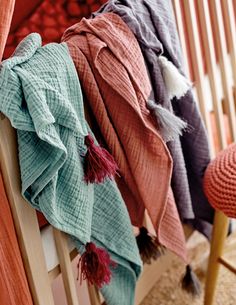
220	182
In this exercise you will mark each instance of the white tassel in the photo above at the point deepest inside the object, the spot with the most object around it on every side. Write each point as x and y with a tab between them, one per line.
176	84
169	125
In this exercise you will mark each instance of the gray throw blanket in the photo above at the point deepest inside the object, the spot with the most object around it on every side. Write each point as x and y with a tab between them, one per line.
153	23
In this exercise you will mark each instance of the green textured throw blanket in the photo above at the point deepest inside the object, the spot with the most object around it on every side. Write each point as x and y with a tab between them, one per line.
40	94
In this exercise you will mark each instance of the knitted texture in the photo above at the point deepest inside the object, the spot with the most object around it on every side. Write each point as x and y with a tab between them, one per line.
41	95
49	18
112	72
153	24
220	182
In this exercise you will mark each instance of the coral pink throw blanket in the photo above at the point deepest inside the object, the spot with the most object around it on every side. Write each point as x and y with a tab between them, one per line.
115	84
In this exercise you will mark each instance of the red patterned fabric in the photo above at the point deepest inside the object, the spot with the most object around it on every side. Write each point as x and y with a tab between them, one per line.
50	20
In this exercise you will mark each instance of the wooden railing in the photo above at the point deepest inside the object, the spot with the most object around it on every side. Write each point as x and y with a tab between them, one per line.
204	28
207	34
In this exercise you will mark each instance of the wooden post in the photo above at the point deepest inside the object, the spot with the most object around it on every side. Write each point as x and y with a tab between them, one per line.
218	29
94	295
25	219
181	32
220	230
230	29
209	52
197	64
6	12
66	267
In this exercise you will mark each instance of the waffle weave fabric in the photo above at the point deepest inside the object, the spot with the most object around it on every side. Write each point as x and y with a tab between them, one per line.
153	24
41	95
220	181
114	80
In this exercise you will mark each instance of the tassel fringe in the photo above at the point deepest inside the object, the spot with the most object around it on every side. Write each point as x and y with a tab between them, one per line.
176	84
149	249
99	163
191	283
170	126
95	266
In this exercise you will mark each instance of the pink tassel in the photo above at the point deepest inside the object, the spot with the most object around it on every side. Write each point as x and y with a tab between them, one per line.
95	264
99	163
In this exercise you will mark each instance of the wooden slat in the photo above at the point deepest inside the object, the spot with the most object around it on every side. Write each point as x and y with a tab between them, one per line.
220	230
197	64
230	30
228	259
218	29
6	12
209	52
227	264
57	270
25	219
94	295
66	267
182	36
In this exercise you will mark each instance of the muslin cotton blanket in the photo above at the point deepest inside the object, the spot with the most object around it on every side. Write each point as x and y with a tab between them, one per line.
114	80
153	24
40	94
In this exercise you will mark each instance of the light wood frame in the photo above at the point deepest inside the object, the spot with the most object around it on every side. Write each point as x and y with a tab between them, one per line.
25	217
27	228
222	27
40	279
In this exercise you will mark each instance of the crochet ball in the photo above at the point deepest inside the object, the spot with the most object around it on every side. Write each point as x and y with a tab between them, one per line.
220	182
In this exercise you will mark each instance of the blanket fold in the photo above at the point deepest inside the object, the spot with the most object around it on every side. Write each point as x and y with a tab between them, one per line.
40	94
153	24
115	83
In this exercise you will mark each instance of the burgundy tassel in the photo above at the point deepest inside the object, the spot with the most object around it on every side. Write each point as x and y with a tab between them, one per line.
95	266
190	282
149	248
99	163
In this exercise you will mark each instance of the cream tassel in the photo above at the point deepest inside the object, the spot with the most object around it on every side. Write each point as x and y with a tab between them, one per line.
170	126
176	84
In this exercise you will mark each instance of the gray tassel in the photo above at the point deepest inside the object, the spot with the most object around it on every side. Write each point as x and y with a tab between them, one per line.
169	125
191	283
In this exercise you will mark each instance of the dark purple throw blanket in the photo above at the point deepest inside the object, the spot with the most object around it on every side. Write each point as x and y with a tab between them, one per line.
153	23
